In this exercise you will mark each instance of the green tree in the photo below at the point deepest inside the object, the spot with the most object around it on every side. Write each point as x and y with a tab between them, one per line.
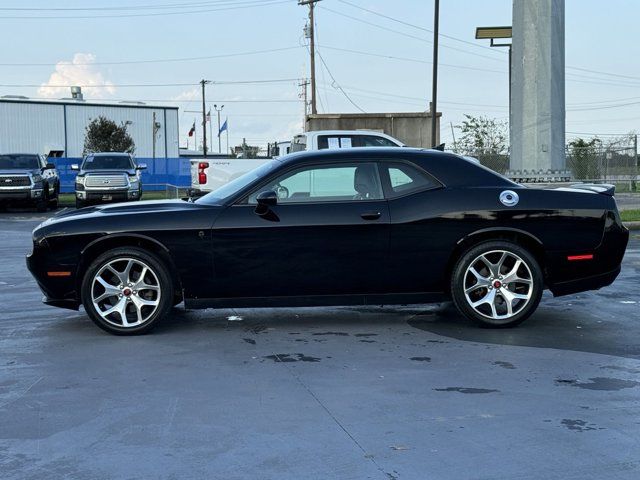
481	136
583	158
104	135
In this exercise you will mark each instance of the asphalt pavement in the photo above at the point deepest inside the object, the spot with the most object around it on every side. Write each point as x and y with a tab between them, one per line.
319	393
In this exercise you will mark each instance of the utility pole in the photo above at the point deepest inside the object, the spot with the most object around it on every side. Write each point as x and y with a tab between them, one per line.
434	84
153	129
219	140
304	84
310	33
203	82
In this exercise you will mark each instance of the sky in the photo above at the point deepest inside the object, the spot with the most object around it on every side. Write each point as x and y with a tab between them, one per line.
373	56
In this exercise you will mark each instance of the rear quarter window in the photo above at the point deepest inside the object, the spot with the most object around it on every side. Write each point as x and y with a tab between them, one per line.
403	178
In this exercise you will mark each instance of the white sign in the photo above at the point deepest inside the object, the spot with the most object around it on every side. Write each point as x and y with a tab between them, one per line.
333	142
345	142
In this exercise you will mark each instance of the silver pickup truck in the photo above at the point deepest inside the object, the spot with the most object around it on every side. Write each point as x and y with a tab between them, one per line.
107	177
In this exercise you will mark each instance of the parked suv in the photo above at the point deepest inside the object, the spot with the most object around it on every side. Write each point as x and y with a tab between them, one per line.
27	178
107	177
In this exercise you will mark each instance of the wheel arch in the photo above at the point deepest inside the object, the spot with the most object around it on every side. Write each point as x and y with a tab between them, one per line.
110	241
520	237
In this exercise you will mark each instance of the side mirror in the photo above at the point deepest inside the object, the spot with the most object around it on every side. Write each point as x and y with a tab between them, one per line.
75	166
141	166
267	199
49	166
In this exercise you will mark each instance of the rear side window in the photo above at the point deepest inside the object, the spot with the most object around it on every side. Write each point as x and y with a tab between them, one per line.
348	141
403	178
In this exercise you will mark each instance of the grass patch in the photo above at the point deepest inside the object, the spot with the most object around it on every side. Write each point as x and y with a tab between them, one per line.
630	215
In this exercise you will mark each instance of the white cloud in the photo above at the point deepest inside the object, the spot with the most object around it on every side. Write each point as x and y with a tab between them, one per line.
79	71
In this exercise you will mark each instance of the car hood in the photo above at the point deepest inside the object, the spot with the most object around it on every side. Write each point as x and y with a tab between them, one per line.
103	218
82	173
18	171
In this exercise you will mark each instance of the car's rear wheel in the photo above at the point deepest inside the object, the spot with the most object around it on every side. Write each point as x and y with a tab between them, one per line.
127	291
497	284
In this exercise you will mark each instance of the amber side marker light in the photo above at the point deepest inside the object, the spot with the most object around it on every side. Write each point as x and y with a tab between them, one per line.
573	258
58	274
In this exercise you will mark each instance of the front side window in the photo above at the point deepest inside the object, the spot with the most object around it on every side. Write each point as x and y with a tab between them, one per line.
404	178
335	183
107	162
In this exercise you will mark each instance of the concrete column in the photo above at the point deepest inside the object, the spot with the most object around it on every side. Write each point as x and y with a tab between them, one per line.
537	130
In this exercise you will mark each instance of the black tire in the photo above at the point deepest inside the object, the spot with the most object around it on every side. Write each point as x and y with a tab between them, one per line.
54	200
526	283
43	204
79	203
165	292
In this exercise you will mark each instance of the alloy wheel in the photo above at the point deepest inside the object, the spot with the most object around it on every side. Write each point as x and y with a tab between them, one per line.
125	292
498	285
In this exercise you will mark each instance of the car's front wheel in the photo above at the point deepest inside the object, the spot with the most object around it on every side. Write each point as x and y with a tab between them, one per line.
127	291
497	284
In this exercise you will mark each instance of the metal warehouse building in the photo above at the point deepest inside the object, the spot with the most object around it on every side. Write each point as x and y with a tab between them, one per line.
57	128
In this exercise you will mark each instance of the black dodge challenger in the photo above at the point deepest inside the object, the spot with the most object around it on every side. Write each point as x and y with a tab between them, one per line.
337	227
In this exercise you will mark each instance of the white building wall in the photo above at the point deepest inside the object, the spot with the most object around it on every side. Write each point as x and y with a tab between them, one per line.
31	127
39	127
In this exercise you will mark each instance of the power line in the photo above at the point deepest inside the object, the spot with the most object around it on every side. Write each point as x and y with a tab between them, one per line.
129	7
335	83
110	85
422	39
163	60
418	27
154	14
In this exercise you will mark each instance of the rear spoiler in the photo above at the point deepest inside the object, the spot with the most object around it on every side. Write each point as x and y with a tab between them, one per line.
603	188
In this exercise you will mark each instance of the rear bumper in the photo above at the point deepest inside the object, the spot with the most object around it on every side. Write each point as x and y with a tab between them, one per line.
583	284
565	276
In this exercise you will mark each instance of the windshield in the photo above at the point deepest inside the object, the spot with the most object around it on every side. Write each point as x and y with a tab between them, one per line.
22	162
234	186
107	162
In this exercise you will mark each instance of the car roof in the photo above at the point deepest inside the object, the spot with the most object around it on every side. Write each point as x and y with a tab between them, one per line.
449	168
109	154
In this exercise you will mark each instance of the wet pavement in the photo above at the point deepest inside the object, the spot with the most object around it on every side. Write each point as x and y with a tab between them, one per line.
319	393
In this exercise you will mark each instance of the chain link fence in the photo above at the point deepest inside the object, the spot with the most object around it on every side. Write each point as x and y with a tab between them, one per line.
617	165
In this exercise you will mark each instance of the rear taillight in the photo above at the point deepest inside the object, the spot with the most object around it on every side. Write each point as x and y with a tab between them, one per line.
202	176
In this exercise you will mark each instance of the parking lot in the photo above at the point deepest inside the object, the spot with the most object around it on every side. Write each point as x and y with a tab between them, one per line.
319	393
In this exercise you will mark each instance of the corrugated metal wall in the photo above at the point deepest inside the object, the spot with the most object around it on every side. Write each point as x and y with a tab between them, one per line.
31	127
40	127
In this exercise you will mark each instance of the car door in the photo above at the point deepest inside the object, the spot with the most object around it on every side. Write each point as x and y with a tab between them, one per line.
418	238
327	235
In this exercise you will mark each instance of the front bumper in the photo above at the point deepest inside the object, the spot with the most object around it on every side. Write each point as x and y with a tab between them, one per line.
26	194
103	196
58	291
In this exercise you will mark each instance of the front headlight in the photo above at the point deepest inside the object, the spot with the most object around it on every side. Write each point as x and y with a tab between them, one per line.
80	180
37	178
134	180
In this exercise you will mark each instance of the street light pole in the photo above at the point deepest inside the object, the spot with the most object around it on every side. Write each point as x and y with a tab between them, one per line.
203	82
219	140
434	82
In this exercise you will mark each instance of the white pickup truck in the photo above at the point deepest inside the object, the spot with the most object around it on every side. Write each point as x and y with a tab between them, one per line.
209	174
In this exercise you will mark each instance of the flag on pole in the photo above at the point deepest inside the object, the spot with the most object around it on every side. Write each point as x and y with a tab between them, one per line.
223	127
193	129
209	115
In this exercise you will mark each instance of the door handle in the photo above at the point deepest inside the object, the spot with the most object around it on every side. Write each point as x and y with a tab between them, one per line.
371	215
